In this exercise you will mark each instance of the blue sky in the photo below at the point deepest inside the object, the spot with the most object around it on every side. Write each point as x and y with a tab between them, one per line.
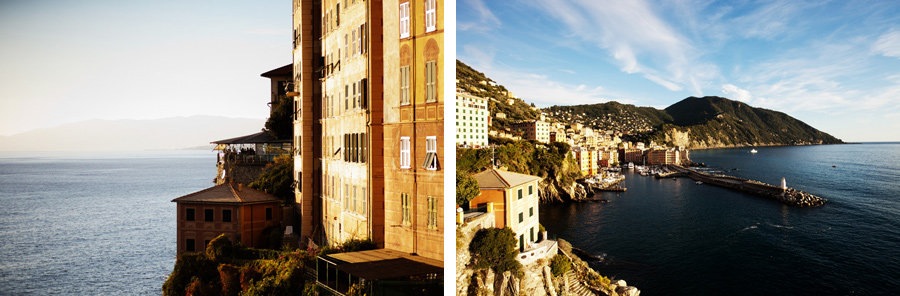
832	64
68	61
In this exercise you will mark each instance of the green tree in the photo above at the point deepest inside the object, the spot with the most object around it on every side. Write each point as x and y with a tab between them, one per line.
495	248
466	188
559	265
281	122
277	178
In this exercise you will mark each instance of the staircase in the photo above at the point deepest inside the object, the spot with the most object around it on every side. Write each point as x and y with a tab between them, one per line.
576	288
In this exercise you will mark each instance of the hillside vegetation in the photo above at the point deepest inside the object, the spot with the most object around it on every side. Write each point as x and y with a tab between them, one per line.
704	122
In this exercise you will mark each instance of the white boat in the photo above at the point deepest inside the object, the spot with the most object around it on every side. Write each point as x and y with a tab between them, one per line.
630	165
753	151
699	182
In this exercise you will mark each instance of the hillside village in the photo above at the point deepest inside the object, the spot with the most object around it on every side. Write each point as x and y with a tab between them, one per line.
534	156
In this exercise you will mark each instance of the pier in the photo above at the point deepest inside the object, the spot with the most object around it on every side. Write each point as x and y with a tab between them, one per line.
788	196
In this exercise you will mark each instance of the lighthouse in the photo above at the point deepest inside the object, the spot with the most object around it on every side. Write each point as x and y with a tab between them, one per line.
783	184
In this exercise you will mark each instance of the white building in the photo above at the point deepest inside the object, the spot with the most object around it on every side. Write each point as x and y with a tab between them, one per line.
471	120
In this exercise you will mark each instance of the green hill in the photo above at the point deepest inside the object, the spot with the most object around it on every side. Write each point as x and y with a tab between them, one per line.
717	121
707	122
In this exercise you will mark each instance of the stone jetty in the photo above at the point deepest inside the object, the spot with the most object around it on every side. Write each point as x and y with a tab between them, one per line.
788	196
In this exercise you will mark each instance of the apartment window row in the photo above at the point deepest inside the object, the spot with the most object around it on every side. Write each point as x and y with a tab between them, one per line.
356	147
355	95
430	18
355	200
431	90
355	43
208	215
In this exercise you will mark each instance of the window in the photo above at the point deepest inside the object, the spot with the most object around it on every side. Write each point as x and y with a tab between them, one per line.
431	159
520	193
521	217
189	245
430	81
226	215
531	212
189	214
432	212
208	215
430	15
268	214
530	190
404	204
404	152
404	20
404	85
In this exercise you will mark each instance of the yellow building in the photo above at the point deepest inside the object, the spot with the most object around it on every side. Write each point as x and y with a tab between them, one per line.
515	202
413	127
370	130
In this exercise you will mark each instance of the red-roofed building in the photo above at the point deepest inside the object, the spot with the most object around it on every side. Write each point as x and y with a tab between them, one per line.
513	198
240	212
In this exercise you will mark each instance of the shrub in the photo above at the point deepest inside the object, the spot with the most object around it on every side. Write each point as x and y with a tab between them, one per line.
220	249
230	276
496	249
188	269
559	265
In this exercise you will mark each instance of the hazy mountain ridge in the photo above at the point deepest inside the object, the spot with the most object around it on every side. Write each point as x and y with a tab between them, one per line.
132	135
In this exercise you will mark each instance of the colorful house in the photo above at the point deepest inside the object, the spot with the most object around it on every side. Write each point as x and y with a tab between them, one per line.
242	213
513	199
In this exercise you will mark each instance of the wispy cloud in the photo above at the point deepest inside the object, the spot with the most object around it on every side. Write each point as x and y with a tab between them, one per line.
484	21
736	93
888	44
635	36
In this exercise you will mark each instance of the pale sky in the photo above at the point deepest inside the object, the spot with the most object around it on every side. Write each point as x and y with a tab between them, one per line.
832	64
69	61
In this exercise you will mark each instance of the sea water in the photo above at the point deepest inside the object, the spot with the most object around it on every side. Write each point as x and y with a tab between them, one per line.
93	224
675	237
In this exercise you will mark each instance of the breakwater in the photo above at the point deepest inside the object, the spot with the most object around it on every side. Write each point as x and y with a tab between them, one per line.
788	196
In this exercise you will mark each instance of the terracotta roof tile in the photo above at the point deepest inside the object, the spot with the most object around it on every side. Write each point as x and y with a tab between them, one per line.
227	193
493	179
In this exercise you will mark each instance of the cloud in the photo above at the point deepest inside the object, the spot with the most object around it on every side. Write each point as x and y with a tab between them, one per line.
483	20
635	37
736	93
888	44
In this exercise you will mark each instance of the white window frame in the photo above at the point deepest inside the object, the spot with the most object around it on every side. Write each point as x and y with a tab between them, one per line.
431	159
404	20
404	153
430	15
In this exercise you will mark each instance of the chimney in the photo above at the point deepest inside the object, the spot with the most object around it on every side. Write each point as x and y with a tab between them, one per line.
240	187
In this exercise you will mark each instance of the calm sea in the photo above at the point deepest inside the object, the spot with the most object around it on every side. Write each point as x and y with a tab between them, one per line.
93	224
674	237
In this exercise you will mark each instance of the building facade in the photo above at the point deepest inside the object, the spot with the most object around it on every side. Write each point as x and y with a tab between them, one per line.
241	213
414	127
514	201
471	120
534	130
